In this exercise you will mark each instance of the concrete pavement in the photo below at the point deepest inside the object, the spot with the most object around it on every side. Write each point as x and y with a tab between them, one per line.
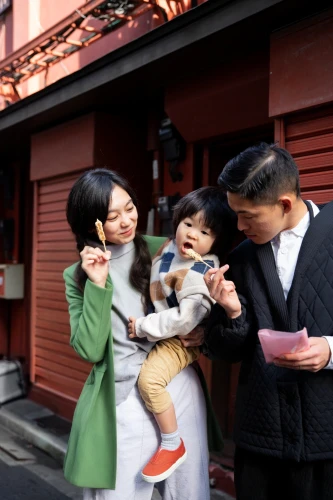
24	423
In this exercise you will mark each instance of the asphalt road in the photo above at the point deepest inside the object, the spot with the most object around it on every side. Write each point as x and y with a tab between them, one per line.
27	473
18	483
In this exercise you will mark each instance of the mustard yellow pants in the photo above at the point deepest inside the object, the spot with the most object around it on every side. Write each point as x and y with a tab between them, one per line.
162	364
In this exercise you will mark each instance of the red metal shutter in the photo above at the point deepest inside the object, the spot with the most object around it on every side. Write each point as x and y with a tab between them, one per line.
309	138
55	366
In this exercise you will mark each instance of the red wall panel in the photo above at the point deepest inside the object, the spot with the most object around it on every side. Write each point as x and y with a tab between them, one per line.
301	65
309	138
233	96
65	148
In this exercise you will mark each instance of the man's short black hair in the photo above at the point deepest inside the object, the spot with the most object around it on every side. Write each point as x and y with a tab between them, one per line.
261	173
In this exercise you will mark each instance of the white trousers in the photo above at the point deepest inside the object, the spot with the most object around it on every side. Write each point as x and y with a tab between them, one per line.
138	438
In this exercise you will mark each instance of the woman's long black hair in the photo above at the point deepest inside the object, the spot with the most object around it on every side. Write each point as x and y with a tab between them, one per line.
89	200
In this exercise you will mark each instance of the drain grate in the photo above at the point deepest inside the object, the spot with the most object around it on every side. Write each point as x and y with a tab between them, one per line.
16	451
57	425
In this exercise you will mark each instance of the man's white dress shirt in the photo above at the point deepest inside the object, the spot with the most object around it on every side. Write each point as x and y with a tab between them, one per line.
286	246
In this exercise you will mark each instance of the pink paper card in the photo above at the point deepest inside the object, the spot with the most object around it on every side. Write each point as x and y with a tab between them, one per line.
275	343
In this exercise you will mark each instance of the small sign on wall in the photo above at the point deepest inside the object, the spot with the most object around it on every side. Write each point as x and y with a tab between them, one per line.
11	281
155	169
4	5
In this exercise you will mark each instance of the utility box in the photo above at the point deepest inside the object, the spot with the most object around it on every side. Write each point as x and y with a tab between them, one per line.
11	381
11	281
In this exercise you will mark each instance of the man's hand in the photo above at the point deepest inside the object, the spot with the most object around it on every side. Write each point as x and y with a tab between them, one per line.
223	291
131	327
194	338
313	359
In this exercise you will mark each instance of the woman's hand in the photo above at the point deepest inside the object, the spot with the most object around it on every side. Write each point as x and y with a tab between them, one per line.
131	327
223	291
95	263
194	338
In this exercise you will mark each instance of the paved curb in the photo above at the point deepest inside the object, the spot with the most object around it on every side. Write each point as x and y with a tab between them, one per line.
34	435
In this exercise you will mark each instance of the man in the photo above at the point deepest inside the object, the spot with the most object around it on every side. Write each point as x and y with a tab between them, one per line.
283	274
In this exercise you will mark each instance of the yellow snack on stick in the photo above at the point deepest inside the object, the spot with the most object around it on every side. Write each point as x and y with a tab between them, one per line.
100	232
196	256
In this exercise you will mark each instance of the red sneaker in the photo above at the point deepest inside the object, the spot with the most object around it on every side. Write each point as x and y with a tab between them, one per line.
163	463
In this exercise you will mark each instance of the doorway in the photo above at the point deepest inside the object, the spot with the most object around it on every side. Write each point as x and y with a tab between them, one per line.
224	376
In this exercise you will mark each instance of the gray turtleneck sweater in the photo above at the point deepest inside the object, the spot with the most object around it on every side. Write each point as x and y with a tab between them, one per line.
128	354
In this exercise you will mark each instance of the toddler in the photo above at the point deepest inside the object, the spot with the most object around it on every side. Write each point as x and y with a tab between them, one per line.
204	224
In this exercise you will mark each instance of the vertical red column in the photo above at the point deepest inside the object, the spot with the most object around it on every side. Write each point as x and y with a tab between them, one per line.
205	166
279	132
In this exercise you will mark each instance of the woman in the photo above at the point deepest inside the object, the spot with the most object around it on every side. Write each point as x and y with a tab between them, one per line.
113	435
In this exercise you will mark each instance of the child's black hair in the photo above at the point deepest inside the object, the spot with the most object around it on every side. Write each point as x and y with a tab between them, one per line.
218	217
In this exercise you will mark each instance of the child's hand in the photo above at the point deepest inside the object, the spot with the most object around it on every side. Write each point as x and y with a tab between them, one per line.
223	291
131	327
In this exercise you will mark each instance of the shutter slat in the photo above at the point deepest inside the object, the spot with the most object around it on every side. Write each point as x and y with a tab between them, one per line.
53	226
58	382
309	138
50	276
77	363
48	246
315	162
57	216
56	180
50	294
52	266
52	286
55	305
53	346
62	369
56	236
322	196
52	315
54	327
44	333
312	127
51	197
56	187
310	144
317	180
58	255
52	207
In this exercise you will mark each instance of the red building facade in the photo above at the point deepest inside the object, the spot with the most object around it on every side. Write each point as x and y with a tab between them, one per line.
226	74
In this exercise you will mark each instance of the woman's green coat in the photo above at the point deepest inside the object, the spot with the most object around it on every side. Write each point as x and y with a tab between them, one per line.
92	449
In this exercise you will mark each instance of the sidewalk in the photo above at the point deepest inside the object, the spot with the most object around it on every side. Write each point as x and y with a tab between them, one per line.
49	432
38	425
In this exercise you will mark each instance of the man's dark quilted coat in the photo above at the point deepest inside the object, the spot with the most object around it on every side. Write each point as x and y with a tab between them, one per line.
280	412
